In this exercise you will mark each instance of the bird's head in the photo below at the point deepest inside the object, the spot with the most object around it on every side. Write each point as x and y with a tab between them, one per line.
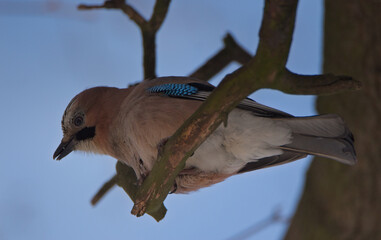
83	121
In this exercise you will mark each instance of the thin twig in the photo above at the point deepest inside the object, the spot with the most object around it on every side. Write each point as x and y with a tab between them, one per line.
103	190
134	15
90	7
275	217
114	4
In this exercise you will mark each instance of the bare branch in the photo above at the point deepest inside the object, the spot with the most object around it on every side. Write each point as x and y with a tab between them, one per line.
90	7
230	52
103	190
148	28
213	66
117	4
239	54
149	31
275	217
149	54
159	13
276	31
125	177
316	84
133	14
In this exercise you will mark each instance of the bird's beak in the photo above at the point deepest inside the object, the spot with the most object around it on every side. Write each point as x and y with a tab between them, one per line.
64	149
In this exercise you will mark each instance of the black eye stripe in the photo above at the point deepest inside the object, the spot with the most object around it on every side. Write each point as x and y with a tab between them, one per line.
85	133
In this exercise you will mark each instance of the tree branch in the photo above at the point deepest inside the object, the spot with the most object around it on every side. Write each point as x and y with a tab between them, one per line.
316	84
261	71
159	13
230	52
149	54
275	217
133	14
104	189
125	177
147	28
117	4
149	31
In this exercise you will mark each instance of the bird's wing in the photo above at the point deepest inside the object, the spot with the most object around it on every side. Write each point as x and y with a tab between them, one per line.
285	157
200	91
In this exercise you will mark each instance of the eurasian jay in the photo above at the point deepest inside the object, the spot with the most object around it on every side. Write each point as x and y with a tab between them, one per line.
129	124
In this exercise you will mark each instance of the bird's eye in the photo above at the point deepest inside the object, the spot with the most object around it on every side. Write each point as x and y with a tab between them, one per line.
78	121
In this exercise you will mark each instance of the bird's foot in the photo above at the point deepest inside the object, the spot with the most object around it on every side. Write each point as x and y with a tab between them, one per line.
160	146
174	188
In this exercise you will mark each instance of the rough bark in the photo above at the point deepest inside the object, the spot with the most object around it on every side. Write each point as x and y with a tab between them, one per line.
343	202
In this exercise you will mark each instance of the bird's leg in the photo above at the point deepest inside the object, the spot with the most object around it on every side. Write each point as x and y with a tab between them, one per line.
189	171
184	172
140	181
174	188
143	172
193	170
160	146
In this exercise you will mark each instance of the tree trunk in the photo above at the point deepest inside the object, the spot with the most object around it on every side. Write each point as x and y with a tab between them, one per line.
344	202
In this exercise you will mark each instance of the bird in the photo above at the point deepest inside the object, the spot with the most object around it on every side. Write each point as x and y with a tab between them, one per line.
130	124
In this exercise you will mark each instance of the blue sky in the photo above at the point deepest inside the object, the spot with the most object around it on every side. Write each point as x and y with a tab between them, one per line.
47	57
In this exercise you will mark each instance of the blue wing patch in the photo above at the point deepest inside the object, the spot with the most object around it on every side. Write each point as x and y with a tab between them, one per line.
174	89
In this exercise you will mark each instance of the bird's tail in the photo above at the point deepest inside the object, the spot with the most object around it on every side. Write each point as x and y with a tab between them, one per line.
324	135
